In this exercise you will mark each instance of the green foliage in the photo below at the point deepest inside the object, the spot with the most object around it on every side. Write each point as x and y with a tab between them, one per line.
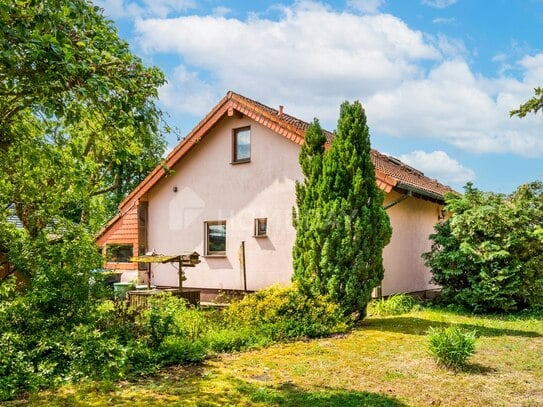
79	127
489	255
534	105
181	350
452	346
306	251
235	339
396	304
17	373
170	316
286	313
340	223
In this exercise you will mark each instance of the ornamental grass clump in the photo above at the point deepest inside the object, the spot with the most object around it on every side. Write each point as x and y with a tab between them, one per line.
452	346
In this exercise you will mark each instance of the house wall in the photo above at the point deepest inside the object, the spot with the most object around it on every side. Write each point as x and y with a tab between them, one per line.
124	231
412	221
205	186
210	188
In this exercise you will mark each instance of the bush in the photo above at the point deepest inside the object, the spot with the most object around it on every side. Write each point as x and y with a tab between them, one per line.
170	316
488	256
233	340
451	346
286	313
179	350
396	304
17	373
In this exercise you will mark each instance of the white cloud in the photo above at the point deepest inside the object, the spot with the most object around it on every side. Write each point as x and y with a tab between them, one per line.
221	11
454	105
438	165
186	93
366	6
143	8
439	3
312	58
311	50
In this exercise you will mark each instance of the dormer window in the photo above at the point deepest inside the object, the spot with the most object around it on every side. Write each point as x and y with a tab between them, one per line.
241	145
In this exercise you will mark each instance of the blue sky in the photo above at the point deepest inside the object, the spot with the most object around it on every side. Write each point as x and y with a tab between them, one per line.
437	77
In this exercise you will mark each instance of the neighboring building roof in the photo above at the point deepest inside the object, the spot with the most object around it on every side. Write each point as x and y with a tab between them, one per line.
13	218
389	171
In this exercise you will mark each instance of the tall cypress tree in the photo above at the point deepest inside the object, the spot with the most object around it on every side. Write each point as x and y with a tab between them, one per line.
347	227
306	252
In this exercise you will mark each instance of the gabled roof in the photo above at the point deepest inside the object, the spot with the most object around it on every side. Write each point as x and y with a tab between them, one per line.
389	171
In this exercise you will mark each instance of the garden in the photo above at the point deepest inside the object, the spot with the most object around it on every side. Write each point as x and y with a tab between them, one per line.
80	128
383	361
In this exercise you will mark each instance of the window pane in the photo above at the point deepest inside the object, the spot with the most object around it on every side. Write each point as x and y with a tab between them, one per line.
261	227
216	238
243	144
119	253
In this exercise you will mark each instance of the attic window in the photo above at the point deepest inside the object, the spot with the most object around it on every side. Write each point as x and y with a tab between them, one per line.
241	145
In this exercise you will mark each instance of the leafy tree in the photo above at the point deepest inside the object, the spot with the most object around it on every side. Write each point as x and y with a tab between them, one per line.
345	227
489	256
534	105
77	112
79	127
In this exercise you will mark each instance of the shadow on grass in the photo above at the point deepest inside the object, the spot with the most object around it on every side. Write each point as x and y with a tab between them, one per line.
291	395
419	326
477	368
187	386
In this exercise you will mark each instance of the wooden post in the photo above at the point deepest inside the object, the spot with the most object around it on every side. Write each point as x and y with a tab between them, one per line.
180	274
243	266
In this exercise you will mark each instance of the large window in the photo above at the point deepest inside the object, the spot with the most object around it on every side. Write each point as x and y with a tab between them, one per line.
215	238
119	253
241	145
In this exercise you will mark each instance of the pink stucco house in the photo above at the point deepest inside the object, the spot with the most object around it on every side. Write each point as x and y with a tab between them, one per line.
231	186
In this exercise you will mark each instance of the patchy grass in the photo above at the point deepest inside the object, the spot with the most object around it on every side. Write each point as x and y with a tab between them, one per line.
383	362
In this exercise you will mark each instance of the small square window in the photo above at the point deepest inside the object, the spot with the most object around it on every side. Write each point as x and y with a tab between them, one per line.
215	242
261	227
241	145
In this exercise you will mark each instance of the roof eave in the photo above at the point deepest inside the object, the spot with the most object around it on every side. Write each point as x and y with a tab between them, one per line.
422	192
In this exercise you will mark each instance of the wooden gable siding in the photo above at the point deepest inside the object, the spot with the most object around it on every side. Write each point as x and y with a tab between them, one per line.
123	231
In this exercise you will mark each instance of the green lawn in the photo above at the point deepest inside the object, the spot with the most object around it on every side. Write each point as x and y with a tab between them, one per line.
382	362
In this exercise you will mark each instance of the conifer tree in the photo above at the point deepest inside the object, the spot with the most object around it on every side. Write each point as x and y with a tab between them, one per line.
306	252
347	227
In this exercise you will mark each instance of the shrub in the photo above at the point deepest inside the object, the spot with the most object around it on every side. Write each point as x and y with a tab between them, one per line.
451	346
286	313
170	316
396	304
17	373
233	340
489	255
181	350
